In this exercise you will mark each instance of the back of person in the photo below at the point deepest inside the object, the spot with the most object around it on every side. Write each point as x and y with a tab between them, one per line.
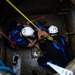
20	36
15	35
55	52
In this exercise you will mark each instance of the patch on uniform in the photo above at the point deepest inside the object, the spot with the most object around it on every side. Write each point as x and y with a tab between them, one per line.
35	53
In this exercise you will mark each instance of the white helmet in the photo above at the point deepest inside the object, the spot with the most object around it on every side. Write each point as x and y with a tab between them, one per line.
53	29
27	31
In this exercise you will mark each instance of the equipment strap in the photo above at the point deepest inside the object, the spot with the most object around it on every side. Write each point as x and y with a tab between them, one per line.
61	48
13	36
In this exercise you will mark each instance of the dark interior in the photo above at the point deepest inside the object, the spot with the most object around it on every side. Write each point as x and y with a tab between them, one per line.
52	9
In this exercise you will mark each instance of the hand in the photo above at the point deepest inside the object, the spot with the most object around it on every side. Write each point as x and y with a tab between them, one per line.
30	40
41	33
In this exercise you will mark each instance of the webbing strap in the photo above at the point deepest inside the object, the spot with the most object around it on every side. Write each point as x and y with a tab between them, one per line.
13	36
50	38
14	32
61	48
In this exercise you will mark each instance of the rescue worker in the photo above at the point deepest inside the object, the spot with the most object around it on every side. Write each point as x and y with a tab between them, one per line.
21	36
55	53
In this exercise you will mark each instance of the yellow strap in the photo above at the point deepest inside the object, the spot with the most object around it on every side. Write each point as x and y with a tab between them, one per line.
21	13
49	37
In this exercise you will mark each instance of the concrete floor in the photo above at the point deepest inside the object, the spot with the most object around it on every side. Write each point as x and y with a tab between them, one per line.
28	62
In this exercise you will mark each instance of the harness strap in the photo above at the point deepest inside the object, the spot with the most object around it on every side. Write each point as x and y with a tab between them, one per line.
61	48
13	36
43	28
14	32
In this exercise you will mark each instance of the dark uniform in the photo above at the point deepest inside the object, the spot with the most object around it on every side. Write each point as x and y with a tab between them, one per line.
54	53
15	36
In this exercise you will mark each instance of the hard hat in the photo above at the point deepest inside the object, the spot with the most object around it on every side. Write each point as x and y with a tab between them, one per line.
53	29
27	31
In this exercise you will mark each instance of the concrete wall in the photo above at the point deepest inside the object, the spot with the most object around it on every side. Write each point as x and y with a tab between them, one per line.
70	25
73	24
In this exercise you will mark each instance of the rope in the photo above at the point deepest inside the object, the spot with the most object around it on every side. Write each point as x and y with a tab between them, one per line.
49	37
21	13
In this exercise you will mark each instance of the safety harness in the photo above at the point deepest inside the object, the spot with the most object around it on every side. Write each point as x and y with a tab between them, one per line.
58	47
13	38
61	47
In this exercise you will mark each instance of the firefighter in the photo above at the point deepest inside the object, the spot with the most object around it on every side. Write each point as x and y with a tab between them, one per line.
54	52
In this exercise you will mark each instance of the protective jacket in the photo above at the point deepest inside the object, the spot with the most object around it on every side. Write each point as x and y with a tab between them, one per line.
17	38
55	53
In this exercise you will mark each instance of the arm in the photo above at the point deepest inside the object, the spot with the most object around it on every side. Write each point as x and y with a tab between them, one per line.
41	33
37	46
32	42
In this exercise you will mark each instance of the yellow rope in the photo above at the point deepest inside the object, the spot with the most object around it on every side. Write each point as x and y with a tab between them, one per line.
49	37
21	13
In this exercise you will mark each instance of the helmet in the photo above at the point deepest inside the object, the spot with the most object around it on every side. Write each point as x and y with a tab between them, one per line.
53	29
27	31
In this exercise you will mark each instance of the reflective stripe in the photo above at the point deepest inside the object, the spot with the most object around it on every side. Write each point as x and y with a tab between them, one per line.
15	32
55	45
63	42
18	40
13	36
61	48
